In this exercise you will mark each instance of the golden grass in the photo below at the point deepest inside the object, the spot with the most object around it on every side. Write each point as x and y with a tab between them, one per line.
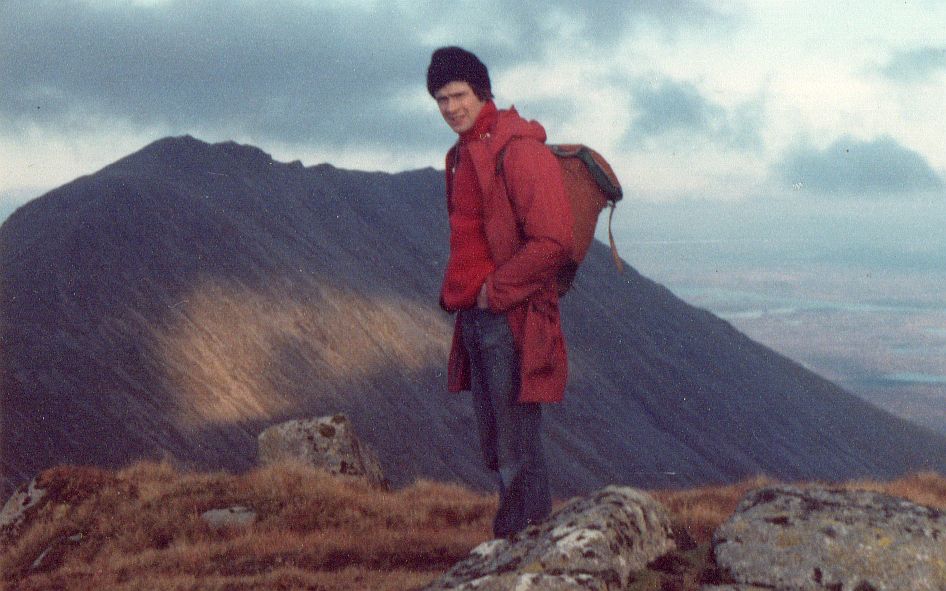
141	528
337	335
699	511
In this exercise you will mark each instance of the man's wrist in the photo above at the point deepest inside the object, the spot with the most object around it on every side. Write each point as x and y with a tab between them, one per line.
482	297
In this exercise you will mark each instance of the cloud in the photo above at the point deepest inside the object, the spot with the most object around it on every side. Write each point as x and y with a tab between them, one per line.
850	167
606	20
287	70
529	29
916	65
284	69
669	107
335	73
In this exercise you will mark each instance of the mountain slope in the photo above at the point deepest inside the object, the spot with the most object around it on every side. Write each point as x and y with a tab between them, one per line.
183	298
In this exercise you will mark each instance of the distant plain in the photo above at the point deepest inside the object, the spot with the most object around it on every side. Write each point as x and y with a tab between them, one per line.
859	298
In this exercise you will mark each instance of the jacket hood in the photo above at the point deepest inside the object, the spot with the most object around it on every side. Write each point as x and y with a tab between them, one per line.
509	125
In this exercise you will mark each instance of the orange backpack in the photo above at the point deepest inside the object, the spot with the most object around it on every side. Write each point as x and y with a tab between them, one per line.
590	184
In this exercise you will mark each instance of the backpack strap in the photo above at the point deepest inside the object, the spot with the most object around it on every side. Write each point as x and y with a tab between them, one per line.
614	248
500	157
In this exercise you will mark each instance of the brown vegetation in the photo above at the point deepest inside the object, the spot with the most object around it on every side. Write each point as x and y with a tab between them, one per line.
142	528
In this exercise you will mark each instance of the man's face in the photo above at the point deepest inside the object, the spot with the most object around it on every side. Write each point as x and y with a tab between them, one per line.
459	105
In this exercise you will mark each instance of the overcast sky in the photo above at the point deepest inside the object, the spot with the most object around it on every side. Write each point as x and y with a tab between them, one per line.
731	100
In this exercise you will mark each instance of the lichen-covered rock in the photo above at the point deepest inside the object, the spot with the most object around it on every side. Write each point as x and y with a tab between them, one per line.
592	543
328	443
15	510
790	538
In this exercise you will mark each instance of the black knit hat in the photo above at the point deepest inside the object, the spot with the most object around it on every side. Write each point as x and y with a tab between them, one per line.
455	64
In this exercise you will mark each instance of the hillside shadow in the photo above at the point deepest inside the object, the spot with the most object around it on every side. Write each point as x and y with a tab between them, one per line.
100	272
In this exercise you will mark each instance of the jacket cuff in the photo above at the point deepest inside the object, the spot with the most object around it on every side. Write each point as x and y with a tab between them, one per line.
491	300
443	306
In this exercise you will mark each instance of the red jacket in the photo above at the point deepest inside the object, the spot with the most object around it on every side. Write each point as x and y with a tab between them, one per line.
529	231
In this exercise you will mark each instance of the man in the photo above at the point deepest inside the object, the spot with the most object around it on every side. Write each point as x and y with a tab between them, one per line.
510	233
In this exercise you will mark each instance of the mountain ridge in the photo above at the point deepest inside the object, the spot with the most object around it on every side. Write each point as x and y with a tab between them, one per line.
183	298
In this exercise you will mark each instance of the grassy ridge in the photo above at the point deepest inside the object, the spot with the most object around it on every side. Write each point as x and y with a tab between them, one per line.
142	528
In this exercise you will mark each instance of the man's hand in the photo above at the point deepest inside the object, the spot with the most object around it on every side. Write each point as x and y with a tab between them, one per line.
482	300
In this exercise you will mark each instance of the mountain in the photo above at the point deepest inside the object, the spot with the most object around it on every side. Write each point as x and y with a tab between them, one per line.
182	299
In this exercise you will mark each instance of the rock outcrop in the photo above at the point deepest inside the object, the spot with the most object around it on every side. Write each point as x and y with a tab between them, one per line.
328	443
591	543
790	538
15	510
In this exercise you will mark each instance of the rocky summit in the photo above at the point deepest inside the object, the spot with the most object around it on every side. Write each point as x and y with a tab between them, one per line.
591	543
781	538
816	539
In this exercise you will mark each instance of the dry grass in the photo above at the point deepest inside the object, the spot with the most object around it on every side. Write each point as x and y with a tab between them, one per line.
699	511
334	335
142	528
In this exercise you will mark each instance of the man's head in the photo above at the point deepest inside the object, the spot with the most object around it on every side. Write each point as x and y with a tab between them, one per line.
455	64
460	83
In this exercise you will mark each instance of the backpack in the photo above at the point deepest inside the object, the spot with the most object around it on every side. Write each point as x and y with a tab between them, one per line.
590	184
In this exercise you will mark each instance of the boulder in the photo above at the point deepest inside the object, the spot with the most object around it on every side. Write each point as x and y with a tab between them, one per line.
591	543
14	512
785	537
229	517
328	443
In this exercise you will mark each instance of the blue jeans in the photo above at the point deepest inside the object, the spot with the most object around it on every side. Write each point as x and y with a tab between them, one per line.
510	432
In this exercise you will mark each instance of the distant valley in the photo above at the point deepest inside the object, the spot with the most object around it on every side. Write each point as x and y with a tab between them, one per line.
867	313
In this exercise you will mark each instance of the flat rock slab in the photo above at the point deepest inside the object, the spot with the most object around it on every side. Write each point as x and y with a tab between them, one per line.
790	538
229	517
592	543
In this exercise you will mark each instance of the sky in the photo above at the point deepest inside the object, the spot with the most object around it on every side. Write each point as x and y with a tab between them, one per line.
736	103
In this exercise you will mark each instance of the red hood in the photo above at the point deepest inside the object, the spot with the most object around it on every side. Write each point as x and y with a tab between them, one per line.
509	125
